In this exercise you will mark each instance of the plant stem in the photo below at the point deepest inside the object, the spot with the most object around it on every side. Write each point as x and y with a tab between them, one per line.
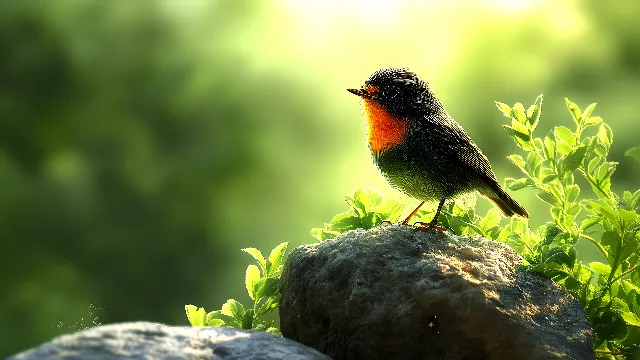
626	273
596	243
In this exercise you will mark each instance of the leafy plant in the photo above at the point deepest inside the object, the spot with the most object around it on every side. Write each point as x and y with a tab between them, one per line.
262	283
368	210
609	289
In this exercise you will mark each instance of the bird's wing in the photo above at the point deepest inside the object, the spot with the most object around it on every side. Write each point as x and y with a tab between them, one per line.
456	147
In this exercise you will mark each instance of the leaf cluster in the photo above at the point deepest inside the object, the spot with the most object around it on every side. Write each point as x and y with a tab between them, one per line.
367	210
262	283
609	289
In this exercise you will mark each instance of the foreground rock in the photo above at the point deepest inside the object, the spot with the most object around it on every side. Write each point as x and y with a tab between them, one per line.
395	292
142	340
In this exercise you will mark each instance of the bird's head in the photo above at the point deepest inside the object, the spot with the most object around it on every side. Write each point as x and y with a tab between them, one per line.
400	91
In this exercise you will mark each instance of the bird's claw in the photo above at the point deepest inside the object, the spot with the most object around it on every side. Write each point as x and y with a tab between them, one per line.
419	225
386	222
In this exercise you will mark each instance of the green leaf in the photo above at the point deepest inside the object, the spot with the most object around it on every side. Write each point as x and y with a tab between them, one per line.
345	221
252	276
323	234
564	134
259	258
628	215
247	319
592	167
517	160
490	220
605	136
362	202
592	121
521	138
519	114
530	112
216	323
266	287
586	114
603	177
389	209
633	152
612	241
195	315
548	198
515	185
631	287
611	326
549	148
556	215
267	307
574	159
538	144
213	319
534	112
533	164
631	318
572	192
504	108
370	220
575	111
583	274
600	268
601	208
233	309
521	127
374	197
589	222
275	258
634	199
548	178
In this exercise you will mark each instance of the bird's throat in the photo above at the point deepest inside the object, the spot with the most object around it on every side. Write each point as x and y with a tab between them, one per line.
385	130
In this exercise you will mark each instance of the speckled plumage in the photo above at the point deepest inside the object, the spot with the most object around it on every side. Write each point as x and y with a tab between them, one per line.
437	159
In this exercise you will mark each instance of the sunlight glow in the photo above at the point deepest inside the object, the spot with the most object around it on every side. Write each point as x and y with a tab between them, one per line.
512	6
377	11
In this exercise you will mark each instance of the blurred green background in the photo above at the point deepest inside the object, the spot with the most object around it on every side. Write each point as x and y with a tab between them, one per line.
144	143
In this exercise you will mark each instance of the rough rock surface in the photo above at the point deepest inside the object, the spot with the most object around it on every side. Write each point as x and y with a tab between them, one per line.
395	292
143	340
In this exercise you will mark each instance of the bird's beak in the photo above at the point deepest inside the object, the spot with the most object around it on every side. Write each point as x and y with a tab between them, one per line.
362	93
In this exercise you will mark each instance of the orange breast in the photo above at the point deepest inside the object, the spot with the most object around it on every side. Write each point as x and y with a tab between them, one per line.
385	130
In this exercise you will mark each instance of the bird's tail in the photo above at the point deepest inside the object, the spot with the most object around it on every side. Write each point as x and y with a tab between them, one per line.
504	201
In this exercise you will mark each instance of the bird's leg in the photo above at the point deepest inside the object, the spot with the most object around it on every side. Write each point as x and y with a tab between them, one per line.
433	224
406	221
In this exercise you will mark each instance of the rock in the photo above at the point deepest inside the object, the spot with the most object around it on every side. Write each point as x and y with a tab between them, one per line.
143	340
395	292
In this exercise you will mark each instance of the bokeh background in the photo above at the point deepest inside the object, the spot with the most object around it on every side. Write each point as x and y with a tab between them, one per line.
144	143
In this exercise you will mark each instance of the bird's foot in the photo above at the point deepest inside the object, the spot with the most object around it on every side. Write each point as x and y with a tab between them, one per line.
386	222
419	225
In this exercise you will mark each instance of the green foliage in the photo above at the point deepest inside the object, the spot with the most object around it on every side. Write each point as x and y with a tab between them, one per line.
262	283
368	210
610	292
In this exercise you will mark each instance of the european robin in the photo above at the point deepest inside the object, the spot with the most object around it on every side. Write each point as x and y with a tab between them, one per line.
420	149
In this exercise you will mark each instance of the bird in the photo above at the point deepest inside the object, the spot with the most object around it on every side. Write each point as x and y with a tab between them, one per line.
420	149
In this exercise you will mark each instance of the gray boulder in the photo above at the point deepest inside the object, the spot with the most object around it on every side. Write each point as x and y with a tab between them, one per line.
395	292
143	340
